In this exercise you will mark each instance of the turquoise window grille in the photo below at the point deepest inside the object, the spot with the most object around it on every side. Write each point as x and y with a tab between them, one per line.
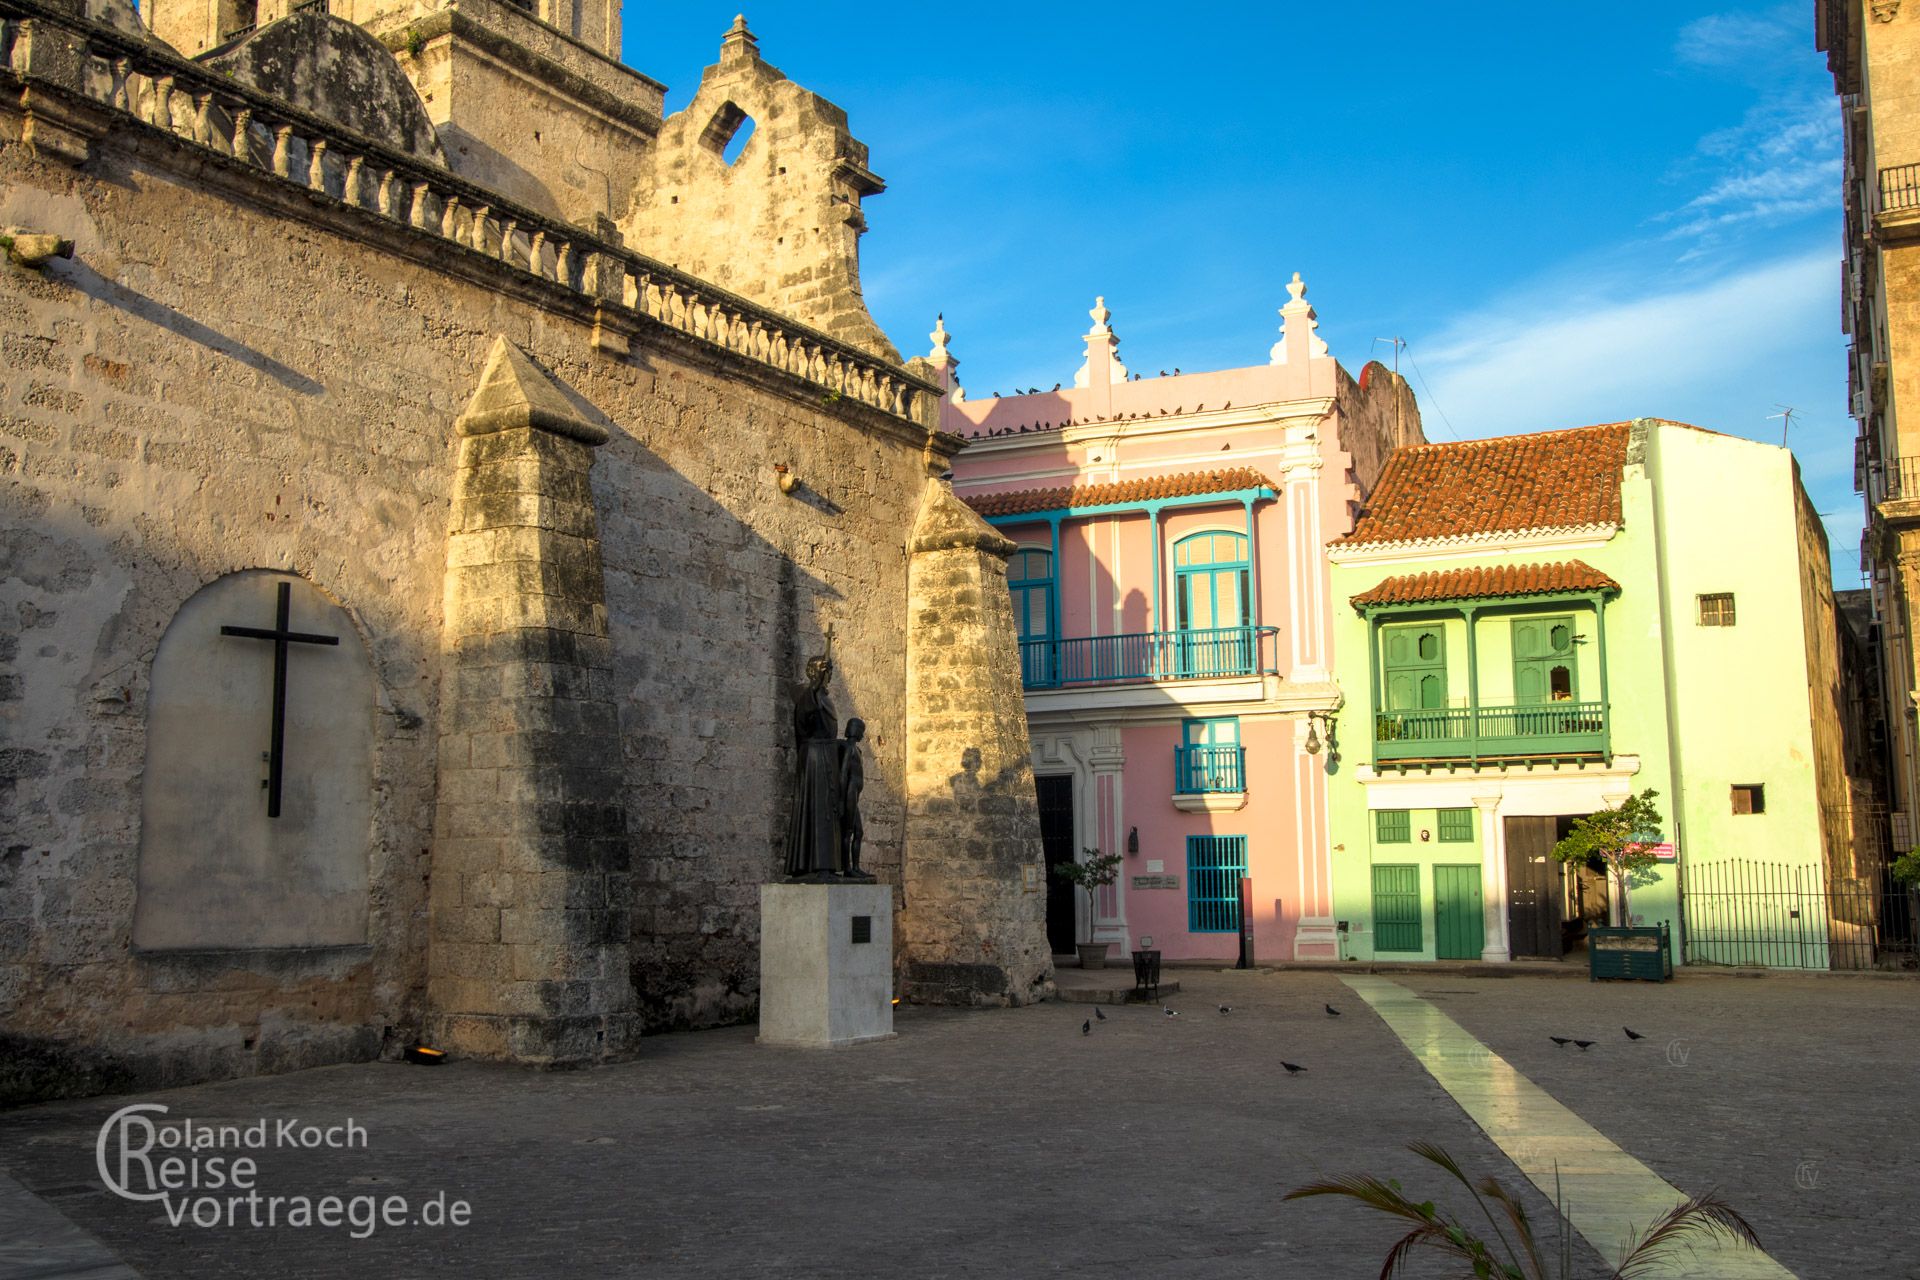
1212	573
1215	866
1392	826
1456	826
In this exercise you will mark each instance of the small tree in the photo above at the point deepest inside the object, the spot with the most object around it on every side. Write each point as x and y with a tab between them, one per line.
1097	872
1623	839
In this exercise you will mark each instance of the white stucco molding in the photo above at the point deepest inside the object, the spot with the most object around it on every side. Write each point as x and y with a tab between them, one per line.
1475	546
1210	801
1509	792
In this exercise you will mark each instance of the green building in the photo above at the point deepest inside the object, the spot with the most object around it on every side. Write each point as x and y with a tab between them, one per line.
1529	629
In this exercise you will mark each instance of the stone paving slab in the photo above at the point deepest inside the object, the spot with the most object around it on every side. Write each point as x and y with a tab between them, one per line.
1007	1143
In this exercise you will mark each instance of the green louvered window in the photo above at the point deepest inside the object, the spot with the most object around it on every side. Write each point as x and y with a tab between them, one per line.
1456	826
1392	826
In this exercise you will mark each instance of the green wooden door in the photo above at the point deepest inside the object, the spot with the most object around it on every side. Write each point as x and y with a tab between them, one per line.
1459	930
1414	662
1544	669
1396	908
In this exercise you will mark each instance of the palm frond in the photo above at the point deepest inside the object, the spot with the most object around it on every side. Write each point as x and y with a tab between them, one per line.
1432	1236
1368	1191
1516	1214
1685	1226
1440	1156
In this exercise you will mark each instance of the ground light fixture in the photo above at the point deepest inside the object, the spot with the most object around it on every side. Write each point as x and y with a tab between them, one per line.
421	1056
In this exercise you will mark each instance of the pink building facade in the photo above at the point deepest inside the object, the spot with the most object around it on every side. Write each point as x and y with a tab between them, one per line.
1171	588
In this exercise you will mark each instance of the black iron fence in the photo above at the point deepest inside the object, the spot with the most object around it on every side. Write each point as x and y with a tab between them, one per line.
1741	912
1900	187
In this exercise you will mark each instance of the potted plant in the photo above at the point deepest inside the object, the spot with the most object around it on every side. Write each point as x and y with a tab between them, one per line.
1623	840
1094	873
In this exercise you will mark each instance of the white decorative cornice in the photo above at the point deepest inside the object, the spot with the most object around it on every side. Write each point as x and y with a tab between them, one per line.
1563	538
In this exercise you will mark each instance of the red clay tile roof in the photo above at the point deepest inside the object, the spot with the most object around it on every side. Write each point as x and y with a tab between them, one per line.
1487	581
1547	480
1145	489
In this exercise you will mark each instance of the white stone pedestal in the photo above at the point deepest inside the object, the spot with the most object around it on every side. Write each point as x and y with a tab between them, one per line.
820	988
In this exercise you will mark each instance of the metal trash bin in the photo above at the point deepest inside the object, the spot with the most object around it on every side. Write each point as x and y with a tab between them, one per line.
1146	974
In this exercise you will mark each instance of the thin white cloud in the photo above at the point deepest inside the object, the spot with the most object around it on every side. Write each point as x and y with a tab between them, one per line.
1561	356
1782	162
1738	40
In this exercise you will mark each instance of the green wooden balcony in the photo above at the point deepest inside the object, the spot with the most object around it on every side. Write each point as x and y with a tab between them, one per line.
1194	654
1521	731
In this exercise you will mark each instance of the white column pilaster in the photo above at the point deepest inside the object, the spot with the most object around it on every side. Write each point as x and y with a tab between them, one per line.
1493	880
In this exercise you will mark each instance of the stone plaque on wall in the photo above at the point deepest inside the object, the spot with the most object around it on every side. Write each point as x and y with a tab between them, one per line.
217	871
1156	882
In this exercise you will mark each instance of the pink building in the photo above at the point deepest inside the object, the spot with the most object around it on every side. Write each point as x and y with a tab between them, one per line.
1172	593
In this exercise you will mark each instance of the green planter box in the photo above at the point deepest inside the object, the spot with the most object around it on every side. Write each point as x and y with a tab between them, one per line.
1645	954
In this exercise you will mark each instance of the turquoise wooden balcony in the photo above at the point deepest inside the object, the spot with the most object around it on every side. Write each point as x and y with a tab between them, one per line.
1205	770
1149	656
1526	731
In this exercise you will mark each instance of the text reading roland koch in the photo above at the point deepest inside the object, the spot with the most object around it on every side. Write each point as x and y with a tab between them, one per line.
198	1174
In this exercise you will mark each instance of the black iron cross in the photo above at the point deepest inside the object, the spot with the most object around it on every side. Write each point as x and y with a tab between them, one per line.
281	638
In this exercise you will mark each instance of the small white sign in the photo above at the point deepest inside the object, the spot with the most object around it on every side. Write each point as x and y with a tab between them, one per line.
1156	864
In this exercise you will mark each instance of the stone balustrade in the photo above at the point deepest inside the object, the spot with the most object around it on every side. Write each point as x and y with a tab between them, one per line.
247	127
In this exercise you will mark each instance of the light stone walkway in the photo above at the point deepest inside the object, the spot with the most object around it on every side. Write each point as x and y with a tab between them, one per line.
1608	1195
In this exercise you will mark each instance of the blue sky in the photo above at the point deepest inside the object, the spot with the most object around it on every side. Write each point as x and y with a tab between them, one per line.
1571	216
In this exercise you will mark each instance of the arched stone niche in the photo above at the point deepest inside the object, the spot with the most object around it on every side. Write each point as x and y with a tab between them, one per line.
216	872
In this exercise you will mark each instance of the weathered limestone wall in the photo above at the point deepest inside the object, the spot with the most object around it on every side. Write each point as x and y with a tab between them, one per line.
973	929
224	379
782	223
1377	414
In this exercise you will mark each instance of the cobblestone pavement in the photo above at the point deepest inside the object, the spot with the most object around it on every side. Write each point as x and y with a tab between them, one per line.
1007	1143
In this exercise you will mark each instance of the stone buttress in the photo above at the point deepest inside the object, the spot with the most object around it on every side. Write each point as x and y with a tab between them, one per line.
529	904
973	927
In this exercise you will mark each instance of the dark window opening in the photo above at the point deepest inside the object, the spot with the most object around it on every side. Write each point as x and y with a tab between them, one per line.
1716	610
1749	798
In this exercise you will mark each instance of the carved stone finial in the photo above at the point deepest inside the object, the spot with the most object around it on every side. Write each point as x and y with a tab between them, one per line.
738	39
1297	288
1100	314
940	337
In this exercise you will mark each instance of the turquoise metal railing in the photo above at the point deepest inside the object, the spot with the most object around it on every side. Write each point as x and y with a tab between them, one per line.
1199	770
1522	729
1149	655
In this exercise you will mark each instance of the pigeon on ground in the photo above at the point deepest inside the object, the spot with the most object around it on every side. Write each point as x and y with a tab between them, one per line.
1171	1013
1100	1015
1332	1012
1226	1008
1583	1045
1562	1041
1292	1070
1632	1034
1086	1028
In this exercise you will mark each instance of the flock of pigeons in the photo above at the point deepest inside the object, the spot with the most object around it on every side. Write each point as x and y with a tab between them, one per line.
1023	429
1294	1069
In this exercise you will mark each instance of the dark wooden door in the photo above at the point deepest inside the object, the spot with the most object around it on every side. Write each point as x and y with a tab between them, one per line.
1055	796
1533	887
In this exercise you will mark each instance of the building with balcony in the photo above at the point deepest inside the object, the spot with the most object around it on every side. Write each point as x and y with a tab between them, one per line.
1530	629
1170	588
1872	49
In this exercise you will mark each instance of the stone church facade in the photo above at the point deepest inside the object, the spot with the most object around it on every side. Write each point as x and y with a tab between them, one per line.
424	471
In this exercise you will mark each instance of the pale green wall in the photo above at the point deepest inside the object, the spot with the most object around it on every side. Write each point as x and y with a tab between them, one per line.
1361	943
1740	692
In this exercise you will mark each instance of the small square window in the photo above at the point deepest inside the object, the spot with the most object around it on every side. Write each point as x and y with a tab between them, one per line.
1392	826
1750	797
1716	610
1456	826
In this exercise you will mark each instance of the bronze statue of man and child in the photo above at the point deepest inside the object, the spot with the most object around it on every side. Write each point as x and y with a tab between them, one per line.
825	832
